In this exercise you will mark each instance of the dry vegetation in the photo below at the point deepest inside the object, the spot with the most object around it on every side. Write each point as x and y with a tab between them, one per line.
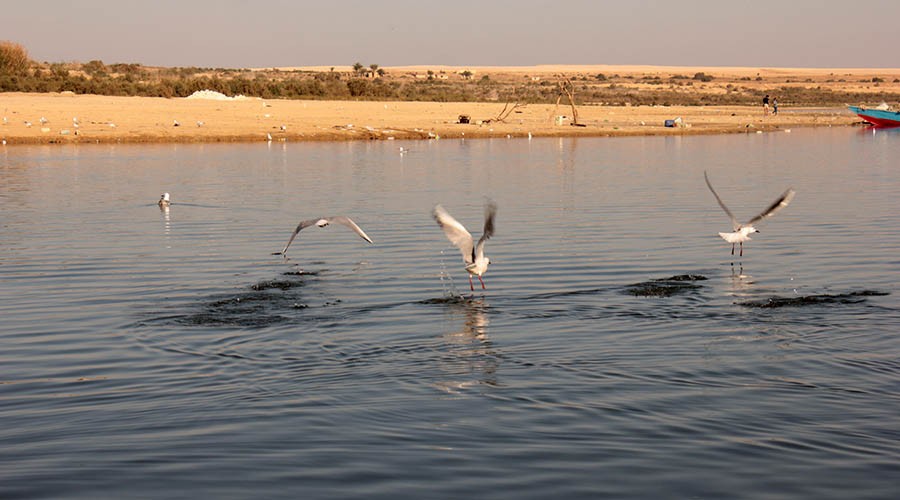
99	102
592	85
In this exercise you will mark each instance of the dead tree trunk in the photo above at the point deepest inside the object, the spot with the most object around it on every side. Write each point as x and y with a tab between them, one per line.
567	88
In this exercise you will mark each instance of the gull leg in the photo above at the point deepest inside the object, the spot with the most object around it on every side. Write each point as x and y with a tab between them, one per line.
732	249
471	286
742	249
482	283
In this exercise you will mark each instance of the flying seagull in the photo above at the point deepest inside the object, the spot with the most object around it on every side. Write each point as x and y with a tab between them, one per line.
164	201
742	232
322	222
473	255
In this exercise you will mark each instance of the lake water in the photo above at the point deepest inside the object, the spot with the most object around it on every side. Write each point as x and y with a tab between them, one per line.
619	349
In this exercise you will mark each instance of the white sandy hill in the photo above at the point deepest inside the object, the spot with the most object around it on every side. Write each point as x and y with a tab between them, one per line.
212	95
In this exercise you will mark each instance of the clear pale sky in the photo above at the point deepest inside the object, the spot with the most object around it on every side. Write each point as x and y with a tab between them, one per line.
267	33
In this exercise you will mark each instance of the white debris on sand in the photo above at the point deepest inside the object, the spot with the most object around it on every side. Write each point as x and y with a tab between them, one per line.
214	96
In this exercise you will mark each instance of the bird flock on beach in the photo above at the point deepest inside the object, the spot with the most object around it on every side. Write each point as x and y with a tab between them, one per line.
474	258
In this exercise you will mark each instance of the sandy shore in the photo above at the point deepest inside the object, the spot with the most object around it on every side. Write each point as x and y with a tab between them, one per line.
143	119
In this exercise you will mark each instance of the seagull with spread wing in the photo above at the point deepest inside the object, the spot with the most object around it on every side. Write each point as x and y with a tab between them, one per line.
742	232
322	222
473	254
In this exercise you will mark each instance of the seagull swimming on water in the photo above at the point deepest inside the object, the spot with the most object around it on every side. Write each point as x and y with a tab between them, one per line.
473	254
742	232
322	222
163	200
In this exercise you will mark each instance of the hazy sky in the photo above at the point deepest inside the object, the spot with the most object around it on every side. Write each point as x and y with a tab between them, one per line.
254	33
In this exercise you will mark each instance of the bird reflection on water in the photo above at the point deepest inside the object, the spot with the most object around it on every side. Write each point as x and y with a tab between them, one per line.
472	360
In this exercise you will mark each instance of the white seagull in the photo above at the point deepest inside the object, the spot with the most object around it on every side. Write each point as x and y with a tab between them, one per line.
742	232
473	255
322	222
163	200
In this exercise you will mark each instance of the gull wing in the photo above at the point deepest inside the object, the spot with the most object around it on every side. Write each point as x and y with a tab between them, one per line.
340	219
734	222
777	205
490	211
456	233
300	227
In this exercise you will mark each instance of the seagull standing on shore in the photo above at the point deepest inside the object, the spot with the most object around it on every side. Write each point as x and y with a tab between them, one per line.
742	232
322	222
164	201
473	255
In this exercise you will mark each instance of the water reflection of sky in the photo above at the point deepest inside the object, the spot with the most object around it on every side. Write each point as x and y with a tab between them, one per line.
617	337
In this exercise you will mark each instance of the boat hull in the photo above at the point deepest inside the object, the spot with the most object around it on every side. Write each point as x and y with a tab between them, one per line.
878	117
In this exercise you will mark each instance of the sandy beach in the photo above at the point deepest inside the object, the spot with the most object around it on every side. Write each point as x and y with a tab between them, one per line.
145	119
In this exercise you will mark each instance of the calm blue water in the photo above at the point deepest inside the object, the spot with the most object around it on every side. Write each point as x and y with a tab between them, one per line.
618	351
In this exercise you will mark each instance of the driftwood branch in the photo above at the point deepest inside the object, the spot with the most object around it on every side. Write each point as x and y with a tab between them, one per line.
507	110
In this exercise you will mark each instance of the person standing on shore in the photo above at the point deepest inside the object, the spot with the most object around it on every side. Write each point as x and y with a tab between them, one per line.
774	105
766	105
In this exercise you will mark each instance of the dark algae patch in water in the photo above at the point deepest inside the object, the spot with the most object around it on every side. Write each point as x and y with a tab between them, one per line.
279	284
814	300
666	287
266	303
451	299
